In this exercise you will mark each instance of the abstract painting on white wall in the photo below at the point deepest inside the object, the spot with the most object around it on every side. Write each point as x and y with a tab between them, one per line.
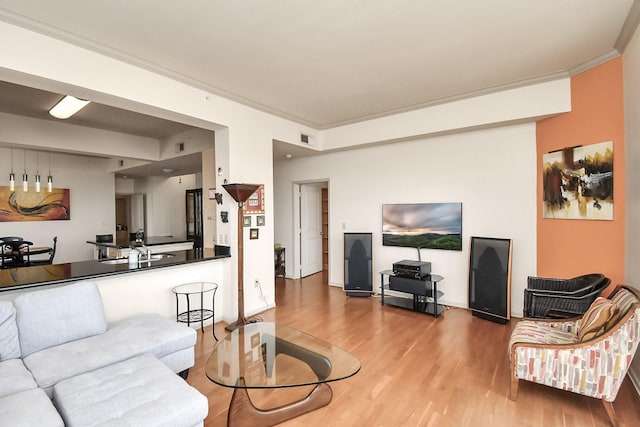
578	182
34	206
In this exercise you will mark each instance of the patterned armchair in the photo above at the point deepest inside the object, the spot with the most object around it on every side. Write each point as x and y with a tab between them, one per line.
588	355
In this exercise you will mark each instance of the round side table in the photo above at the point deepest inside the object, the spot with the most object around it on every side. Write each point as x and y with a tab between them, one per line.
196	314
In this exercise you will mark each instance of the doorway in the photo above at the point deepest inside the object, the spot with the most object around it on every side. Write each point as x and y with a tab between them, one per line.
193	205
130	216
312	225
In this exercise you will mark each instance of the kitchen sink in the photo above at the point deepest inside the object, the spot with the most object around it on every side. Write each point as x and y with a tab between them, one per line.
160	256
115	261
154	257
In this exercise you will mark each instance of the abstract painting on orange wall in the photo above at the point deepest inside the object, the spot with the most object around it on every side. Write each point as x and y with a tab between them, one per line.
578	182
33	206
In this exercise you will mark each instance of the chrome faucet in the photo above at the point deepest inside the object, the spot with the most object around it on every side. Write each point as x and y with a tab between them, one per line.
147	251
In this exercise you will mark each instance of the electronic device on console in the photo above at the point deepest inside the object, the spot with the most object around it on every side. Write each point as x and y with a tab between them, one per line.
412	269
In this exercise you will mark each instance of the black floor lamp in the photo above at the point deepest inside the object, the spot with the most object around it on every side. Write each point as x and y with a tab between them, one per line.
240	193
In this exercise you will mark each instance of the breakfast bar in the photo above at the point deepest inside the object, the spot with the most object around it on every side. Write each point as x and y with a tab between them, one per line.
129	289
121	248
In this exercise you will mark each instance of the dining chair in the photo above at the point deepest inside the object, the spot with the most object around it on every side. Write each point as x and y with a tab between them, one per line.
52	253
14	251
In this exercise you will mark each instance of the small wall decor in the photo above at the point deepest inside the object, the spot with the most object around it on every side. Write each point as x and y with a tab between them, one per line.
260	220
253	233
218	197
578	182
224	216
255	202
246	221
34	206
212	193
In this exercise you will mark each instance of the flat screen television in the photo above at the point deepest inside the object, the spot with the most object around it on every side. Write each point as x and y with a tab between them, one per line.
423	225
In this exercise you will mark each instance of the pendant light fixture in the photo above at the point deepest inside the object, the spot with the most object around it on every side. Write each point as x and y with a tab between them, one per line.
12	176
25	177
49	178
37	172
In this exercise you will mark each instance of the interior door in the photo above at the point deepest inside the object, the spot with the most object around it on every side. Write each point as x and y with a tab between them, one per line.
193	202
310	230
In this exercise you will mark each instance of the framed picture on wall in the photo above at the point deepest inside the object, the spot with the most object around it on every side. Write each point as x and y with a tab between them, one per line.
255	202
253	233
246	221
260	220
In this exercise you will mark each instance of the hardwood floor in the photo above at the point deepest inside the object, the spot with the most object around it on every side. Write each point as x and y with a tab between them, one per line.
416	370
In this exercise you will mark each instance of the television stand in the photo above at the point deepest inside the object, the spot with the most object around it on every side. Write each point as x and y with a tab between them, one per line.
424	292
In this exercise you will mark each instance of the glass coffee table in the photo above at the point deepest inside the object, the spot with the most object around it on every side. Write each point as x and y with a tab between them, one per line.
270	355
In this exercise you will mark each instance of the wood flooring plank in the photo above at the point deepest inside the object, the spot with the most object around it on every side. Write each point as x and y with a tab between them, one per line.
416	370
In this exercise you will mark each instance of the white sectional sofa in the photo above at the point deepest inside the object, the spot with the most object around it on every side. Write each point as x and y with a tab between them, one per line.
60	335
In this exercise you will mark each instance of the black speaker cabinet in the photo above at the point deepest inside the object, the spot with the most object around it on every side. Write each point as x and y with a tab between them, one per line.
358	264
490	278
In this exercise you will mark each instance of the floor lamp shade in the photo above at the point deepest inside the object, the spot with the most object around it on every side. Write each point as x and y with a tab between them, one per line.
240	193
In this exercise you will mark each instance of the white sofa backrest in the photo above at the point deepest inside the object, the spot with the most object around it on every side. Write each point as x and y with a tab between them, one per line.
9	343
55	316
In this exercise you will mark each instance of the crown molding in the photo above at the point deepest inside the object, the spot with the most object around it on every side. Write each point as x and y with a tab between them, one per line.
629	27
598	60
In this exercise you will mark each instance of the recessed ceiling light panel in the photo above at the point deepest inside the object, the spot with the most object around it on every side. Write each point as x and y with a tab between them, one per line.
67	107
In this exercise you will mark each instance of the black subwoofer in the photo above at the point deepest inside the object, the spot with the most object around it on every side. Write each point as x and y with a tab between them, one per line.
490	278
358	264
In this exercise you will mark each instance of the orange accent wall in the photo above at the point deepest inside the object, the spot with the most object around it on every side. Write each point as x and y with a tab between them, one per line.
568	247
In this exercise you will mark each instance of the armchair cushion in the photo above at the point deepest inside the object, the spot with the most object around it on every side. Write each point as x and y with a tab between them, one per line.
532	332
596	318
623	299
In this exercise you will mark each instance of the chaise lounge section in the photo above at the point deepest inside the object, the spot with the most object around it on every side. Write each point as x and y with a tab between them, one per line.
60	335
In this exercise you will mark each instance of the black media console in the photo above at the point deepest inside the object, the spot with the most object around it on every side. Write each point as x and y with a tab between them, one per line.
424	292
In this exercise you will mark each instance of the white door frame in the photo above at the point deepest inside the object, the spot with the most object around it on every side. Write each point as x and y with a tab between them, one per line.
295	225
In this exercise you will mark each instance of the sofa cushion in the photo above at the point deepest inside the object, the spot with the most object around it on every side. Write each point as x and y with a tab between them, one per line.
137	392
28	409
55	316
595	319
147	333
9	343
15	378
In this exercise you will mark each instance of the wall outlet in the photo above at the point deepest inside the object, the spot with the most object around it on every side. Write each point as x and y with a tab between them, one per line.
256	283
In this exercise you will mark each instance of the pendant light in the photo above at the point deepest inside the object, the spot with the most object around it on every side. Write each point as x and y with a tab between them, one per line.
12	176
49	178
25	177
37	172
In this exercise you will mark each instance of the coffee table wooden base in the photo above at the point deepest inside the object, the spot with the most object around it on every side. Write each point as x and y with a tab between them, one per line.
242	412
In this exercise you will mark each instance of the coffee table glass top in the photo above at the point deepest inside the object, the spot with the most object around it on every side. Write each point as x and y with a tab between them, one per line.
271	355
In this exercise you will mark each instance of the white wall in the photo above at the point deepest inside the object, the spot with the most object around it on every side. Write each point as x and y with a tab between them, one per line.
631	66
92	202
165	204
492	172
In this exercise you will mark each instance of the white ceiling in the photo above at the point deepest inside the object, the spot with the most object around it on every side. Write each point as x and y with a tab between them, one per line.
330	62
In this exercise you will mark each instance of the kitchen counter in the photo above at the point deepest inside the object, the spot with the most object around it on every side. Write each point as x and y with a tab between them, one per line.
157	244
43	275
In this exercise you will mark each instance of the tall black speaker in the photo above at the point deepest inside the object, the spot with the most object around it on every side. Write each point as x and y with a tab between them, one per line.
490	278
358	264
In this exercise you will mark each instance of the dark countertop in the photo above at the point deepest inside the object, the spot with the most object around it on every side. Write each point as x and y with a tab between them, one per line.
148	241
42	275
